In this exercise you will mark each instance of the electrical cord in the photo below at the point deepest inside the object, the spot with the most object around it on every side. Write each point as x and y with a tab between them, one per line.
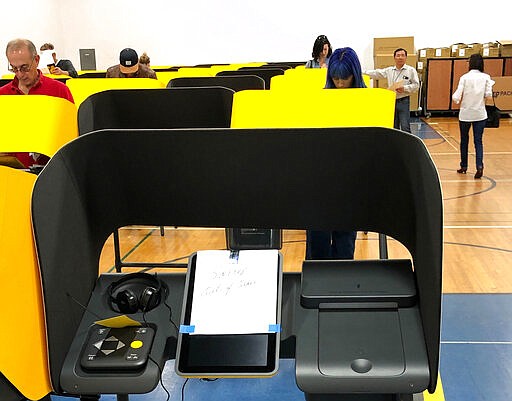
157	365
83	306
204	379
161	378
183	389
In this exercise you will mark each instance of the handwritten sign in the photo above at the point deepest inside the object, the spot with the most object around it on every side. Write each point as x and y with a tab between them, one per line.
235	293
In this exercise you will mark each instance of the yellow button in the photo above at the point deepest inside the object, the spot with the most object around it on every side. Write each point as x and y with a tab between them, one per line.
136	344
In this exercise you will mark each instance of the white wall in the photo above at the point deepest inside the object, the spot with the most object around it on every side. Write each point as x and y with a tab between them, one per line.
204	31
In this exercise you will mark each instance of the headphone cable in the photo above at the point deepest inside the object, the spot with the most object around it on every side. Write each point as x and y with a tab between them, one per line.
161	378
83	306
183	389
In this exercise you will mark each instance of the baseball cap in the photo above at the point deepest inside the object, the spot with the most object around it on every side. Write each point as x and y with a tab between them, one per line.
128	61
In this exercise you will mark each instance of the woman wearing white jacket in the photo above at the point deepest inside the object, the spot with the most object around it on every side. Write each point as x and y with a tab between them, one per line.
474	87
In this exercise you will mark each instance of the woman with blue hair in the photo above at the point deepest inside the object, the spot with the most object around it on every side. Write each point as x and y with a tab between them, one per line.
344	71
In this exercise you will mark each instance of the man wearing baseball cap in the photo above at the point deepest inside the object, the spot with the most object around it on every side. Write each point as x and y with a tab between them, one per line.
129	67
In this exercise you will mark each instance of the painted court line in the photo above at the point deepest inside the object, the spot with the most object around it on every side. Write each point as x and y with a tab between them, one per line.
478	342
477	227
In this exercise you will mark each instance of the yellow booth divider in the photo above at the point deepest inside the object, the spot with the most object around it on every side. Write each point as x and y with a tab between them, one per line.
233	67
82	88
36	123
166	76
438	394
313	108
24	357
156	67
305	78
80	72
236	66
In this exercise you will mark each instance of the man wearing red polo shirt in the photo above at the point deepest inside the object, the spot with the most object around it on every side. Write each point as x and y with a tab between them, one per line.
28	80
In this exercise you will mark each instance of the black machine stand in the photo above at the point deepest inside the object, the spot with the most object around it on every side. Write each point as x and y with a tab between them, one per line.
359	336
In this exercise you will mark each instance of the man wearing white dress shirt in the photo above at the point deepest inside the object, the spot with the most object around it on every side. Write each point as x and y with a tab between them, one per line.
403	80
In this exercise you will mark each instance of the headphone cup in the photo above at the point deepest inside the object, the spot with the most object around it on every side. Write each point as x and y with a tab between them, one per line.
127	301
148	299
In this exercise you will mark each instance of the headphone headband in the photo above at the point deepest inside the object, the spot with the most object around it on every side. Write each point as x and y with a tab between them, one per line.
133	277
145	294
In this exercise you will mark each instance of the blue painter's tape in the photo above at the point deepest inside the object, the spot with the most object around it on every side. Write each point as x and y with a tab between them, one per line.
187	329
233	257
274	328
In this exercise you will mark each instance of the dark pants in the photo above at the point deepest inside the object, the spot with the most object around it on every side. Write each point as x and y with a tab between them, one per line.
478	133
330	244
403	114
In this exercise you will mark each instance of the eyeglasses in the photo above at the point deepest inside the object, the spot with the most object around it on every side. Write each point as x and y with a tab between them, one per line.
22	68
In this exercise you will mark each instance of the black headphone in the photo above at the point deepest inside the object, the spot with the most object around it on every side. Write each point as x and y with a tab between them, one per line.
136	292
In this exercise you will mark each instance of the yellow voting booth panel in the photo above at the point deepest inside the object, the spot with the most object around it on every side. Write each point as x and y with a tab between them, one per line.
82	88
23	360
36	123
165	76
303	78
313	108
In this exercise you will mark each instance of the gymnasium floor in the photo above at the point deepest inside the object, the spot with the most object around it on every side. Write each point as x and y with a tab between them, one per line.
476	337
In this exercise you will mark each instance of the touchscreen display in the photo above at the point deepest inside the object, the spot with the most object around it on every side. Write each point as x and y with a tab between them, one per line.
225	354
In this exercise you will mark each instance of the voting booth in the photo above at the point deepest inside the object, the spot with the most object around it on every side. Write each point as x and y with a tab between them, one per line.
358	330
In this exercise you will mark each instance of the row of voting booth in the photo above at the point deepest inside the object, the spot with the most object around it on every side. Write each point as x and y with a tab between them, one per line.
282	149
274	77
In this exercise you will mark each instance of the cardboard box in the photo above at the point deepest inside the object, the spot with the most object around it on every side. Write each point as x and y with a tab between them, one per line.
465	52
384	61
505	48
454	49
427	52
414	97
386	46
442	52
380	83
490	51
414	105
476	46
502	92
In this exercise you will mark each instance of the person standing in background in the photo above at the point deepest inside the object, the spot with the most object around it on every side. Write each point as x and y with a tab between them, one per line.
403	80
62	66
322	50
344	71
474	87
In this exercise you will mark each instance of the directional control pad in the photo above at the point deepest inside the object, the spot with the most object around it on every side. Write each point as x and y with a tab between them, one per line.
109	345
122	349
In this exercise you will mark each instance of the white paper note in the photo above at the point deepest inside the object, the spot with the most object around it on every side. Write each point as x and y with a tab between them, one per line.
235	296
